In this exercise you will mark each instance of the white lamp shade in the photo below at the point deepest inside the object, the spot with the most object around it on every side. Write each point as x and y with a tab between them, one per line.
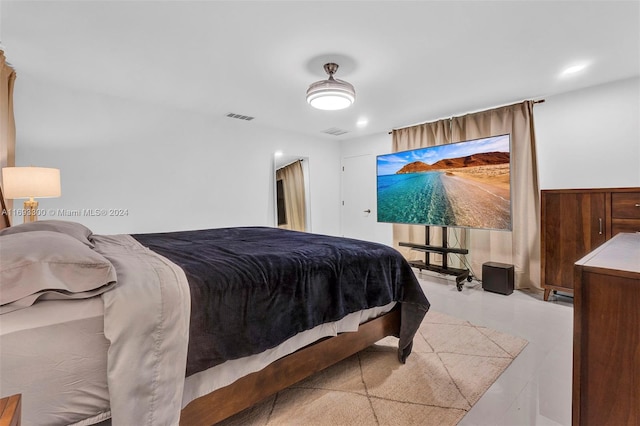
30	182
330	101
331	94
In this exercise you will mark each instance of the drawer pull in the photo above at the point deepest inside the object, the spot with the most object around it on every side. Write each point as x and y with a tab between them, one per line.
637	204
600	225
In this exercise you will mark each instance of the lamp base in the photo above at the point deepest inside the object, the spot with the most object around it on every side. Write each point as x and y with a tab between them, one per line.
30	211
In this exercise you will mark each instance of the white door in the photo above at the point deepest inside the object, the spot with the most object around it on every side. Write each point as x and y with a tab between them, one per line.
359	197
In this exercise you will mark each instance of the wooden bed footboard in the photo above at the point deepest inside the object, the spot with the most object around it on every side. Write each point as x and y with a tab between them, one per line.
253	388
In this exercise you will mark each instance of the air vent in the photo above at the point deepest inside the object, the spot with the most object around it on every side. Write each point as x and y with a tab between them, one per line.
335	131
240	116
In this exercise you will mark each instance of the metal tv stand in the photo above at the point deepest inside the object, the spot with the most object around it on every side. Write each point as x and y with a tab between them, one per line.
444	249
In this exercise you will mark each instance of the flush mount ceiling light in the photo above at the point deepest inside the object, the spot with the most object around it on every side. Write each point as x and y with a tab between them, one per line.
331	94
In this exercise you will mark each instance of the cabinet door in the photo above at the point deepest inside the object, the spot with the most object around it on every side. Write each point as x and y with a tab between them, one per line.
573	225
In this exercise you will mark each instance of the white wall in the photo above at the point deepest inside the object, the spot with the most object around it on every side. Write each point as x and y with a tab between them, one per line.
174	169
170	169
373	146
588	138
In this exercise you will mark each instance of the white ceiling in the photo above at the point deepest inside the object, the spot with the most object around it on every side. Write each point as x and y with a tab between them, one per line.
410	61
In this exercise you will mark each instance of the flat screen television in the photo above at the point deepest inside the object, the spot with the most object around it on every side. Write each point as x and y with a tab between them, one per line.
464	184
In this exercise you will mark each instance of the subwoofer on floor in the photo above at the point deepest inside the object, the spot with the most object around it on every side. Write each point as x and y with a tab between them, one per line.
497	277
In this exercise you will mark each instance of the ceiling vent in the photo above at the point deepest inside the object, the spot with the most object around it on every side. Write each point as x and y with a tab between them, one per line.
335	131
240	116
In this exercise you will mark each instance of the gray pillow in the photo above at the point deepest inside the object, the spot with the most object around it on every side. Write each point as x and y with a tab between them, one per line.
46	265
73	229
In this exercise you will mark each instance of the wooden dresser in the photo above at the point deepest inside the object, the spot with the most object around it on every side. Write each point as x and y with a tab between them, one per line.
606	334
576	221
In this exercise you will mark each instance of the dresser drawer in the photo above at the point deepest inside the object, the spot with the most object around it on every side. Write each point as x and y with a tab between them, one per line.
624	225
625	205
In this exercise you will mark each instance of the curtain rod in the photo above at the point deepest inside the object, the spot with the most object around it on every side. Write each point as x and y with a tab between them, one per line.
288	164
539	101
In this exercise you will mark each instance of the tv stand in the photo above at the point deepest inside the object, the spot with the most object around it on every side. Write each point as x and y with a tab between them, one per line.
444	249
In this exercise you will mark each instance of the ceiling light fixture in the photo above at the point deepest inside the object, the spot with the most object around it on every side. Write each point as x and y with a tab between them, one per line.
331	94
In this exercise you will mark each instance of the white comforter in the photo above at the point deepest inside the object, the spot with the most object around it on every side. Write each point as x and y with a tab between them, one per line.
147	353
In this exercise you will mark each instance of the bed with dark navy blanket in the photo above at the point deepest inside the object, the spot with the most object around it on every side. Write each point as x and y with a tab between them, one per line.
254	287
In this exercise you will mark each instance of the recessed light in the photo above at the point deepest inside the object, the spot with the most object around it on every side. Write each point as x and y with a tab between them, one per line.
362	122
574	69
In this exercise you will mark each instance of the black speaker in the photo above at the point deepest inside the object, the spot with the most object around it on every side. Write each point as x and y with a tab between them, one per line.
497	277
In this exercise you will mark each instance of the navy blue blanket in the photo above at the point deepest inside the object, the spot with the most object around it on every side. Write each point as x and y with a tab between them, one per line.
252	288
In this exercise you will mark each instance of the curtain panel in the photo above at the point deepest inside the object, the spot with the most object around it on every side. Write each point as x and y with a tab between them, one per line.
294	196
521	246
7	125
421	136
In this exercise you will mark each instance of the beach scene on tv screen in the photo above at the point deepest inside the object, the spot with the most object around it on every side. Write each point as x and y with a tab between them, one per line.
465	184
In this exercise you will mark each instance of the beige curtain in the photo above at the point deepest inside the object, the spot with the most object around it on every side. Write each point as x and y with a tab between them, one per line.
521	247
7	124
294	196
420	136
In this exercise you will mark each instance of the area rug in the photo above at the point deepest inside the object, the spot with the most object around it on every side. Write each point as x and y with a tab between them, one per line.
452	365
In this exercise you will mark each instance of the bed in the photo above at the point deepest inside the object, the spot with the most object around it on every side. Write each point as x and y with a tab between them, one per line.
187	327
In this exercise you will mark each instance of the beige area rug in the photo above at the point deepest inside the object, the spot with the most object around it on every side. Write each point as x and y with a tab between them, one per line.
452	365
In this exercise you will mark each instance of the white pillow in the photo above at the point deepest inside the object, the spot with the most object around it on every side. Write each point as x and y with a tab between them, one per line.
45	265
73	229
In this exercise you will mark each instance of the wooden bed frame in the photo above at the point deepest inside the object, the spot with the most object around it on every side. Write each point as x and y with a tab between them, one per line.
286	371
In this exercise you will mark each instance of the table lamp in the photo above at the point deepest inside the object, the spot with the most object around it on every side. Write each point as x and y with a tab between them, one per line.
30	183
